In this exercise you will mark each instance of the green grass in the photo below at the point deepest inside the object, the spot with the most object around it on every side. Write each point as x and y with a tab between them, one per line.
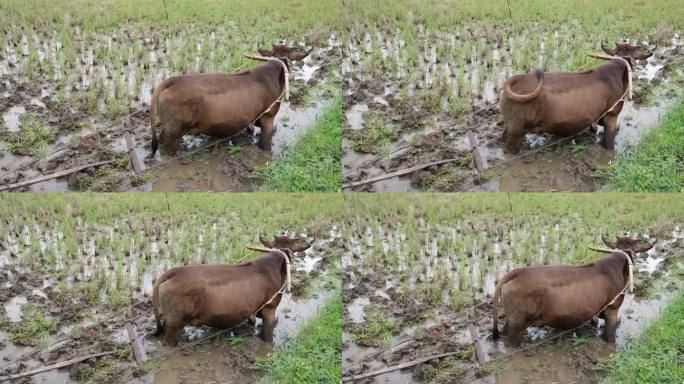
376	330
119	36
657	356
529	228
190	228
33	329
313	163
33	137
314	356
656	164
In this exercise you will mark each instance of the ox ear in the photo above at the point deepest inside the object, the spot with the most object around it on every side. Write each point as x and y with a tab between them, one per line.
297	54
300	245
644	247
265	242
641	53
265	52
610	244
608	50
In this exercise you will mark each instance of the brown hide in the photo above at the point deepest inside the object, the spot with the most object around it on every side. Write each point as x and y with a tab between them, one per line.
217	104
564	296
282	50
563	103
219	296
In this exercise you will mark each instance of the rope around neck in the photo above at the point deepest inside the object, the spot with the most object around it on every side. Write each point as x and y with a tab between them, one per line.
287	72
287	261
629	284
629	70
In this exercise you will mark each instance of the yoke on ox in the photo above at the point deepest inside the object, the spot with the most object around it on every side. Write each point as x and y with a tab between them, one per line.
224	295
566	103
566	296
221	104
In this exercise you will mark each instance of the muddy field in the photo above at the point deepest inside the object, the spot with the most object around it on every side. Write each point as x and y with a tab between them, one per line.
411	93
68	292
411	287
68	102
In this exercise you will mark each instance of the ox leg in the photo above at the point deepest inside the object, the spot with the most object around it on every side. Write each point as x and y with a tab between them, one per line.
267	123
268	316
610	130
513	137
173	334
515	331
170	138
611	315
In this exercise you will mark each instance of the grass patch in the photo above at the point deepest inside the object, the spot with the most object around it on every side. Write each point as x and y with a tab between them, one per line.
33	329
657	356
314	355
656	164
32	139
313	164
376	330
375	137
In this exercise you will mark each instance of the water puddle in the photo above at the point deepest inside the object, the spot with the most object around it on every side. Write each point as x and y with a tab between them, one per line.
473	263
12	118
469	66
13	308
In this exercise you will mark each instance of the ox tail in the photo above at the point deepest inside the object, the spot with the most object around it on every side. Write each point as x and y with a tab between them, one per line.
153	113
508	91
155	300
495	301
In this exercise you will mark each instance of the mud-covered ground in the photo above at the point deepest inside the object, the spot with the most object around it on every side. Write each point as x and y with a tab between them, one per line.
409	312
405	119
67	117
42	322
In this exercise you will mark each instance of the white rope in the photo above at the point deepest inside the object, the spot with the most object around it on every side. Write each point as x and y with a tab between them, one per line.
287	262
287	72
629	70
629	284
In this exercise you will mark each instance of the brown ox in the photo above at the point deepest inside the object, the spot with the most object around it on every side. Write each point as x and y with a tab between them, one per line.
220	104
566	103
565	296
223	295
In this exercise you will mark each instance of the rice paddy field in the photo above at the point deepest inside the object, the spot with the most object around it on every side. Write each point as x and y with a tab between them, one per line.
418	268
75	268
418	74
76	75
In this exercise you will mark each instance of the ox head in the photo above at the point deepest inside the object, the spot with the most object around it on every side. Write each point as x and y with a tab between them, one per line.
286	244
627	50
282	51
627	243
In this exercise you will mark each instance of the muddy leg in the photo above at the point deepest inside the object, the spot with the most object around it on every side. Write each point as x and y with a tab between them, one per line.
172	334
170	138
266	123
610	130
515	334
611	315
268	315
513	137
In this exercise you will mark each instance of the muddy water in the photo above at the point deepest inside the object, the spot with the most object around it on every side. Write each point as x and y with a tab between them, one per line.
229	359
210	359
554	171
569	167
560	359
226	168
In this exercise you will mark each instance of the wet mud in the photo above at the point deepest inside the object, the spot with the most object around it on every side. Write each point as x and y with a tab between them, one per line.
50	317
68	117
407	118
429	302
